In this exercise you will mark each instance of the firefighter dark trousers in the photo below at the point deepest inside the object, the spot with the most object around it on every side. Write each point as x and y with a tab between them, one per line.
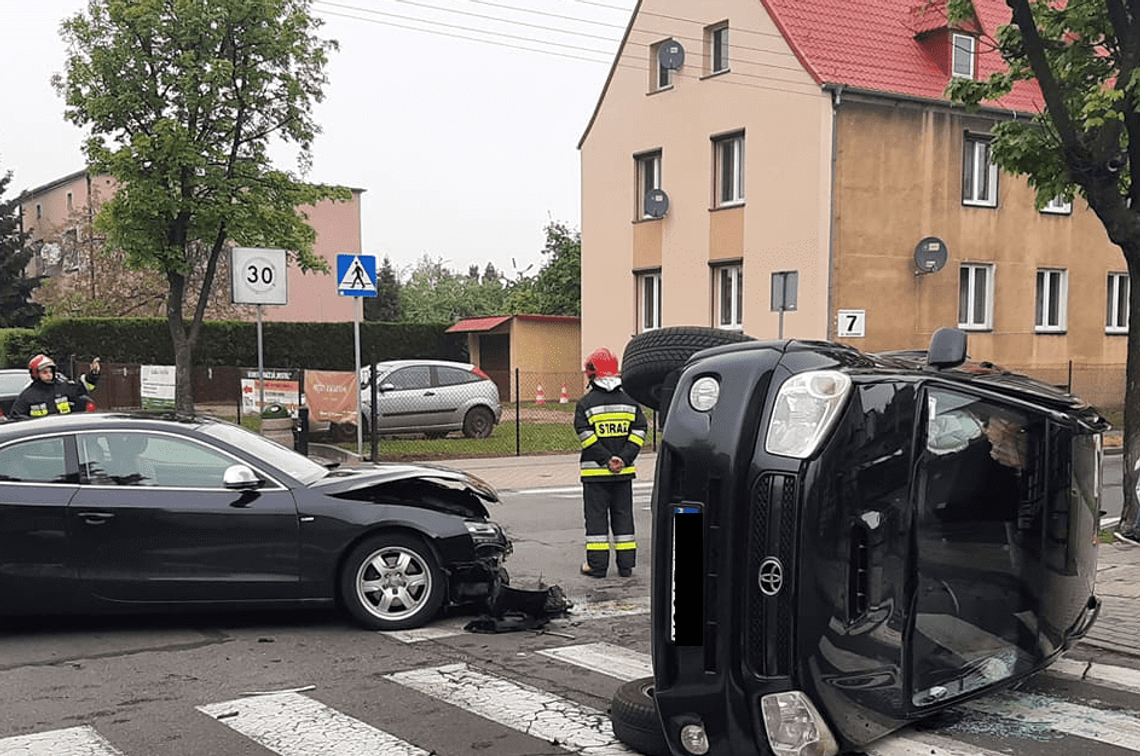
609	506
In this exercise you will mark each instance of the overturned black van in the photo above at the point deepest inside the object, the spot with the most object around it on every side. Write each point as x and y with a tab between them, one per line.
844	543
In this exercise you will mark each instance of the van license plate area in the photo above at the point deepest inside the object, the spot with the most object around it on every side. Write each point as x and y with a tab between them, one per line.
688	560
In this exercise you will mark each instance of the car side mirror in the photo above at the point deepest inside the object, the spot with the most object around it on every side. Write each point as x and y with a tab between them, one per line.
947	348
240	478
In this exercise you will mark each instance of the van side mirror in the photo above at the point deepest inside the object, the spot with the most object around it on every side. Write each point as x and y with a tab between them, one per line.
947	348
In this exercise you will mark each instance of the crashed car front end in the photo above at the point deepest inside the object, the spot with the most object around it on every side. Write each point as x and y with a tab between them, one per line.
843	545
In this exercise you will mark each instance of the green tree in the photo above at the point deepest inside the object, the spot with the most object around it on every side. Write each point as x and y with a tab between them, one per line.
557	288
385	306
17	310
182	99
1085	56
434	294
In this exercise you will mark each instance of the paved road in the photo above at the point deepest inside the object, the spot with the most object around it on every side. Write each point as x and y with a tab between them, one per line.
310	683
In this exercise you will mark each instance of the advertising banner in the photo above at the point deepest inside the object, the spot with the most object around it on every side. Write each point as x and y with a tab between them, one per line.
331	396
281	386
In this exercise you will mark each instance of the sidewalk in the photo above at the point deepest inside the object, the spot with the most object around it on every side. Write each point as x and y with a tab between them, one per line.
1117	629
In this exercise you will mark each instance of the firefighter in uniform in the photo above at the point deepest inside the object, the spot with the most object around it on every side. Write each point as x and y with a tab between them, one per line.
611	428
50	393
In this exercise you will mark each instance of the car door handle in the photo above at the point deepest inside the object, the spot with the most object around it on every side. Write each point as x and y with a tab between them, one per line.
96	518
429	393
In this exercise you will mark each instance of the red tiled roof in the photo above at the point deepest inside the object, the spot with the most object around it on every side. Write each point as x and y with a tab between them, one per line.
478	324
891	45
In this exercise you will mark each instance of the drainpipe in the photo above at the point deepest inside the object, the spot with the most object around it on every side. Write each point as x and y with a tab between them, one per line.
836	99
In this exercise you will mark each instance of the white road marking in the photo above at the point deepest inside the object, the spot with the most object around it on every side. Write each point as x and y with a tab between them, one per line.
424	633
584	610
577	728
73	741
290	724
1116	728
615	661
909	743
1120	678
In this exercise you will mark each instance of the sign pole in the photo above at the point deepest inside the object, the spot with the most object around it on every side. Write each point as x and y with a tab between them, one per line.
356	328
260	363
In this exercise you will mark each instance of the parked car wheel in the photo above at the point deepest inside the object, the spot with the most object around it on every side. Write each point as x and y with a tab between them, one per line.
650	357
478	423
633	713
392	582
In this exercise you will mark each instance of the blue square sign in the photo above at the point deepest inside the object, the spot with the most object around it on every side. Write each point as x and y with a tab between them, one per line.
356	275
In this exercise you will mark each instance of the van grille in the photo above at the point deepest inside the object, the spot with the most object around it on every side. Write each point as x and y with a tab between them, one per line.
771	533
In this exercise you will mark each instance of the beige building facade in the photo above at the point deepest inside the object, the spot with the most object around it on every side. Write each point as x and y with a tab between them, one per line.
58	217
756	169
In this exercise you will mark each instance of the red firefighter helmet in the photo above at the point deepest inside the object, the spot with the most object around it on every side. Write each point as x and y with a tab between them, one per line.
38	363
601	364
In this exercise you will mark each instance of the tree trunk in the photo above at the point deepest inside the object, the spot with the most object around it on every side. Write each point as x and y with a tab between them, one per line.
1128	514
183	345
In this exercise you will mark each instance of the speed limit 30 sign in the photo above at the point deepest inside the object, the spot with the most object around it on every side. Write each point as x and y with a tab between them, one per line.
259	276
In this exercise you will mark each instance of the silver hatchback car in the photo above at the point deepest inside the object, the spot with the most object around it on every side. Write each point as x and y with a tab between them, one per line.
433	397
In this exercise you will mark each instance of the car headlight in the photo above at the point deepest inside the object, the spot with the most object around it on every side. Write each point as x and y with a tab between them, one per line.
806	407
484	530
794	727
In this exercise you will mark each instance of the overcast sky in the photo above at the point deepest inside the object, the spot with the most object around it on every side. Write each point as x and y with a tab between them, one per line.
466	148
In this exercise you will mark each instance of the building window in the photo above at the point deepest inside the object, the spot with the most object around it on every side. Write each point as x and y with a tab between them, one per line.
716	41
69	202
662	76
728	296
648	179
1059	206
1052	292
39	211
979	173
975	297
649	300
729	169
1116	306
962	65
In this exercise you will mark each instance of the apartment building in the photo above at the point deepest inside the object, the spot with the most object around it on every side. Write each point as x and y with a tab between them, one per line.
793	169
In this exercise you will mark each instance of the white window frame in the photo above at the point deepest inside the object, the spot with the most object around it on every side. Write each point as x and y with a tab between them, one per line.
728	296
1116	303
1051	307
648	301
728	170
969	289
1058	206
648	179
662	76
963	49
717	40
979	172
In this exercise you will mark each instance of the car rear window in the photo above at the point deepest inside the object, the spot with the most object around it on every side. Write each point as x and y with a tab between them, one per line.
449	376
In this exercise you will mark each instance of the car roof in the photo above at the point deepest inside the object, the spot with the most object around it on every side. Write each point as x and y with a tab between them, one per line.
80	421
393	364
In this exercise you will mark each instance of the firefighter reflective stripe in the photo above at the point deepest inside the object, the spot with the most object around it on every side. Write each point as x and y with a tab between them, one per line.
624	542
588	438
595	470
637	437
598	546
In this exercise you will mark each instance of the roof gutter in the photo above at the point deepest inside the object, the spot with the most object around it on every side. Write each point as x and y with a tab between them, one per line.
838	89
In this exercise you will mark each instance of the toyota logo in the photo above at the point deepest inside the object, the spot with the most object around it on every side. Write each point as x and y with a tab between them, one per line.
771	576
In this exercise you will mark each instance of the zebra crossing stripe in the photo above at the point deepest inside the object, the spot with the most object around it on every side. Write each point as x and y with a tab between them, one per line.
909	743
1120	678
290	724
528	710
615	661
73	741
1116	728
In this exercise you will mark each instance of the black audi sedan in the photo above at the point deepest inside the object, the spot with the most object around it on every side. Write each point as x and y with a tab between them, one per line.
845	542
140	511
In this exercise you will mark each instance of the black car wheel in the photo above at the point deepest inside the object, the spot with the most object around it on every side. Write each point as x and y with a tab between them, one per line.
392	582
478	423
634	717
650	357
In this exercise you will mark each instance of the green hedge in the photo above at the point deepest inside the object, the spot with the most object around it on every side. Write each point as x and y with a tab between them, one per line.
317	346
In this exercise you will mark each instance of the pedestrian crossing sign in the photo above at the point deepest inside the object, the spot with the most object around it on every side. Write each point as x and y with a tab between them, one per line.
356	275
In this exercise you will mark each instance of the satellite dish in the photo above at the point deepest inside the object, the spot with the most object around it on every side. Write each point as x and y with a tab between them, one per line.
656	203
670	54
930	255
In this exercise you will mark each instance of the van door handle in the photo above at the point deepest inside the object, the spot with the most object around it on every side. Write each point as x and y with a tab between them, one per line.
97	518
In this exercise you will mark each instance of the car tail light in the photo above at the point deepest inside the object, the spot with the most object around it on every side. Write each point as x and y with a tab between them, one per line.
480	373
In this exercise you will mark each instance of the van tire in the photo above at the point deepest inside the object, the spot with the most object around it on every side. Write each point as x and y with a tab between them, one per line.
633	713
650	357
